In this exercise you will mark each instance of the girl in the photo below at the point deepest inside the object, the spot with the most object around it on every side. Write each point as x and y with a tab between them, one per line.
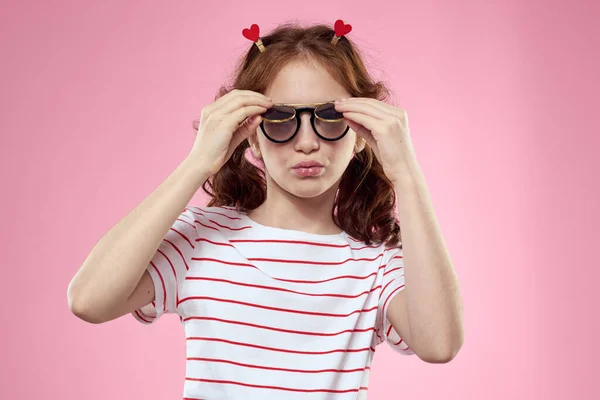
290	277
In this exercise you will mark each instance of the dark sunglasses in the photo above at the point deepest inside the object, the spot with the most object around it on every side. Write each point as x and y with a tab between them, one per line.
281	122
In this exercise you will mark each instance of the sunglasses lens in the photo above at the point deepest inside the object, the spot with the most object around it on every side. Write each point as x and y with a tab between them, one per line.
328	112
329	122
278	113
278	122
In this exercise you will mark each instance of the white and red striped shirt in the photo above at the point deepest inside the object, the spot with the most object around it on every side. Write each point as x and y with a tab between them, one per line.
272	312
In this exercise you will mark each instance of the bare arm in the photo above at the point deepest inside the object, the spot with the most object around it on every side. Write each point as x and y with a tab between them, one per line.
113	280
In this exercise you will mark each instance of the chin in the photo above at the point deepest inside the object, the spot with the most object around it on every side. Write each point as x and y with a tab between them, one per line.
307	188
307	194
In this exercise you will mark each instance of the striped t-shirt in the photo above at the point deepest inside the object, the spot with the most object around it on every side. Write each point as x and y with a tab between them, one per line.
272	312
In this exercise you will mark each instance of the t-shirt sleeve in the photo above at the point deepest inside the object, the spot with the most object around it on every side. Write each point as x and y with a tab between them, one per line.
393	283
168	268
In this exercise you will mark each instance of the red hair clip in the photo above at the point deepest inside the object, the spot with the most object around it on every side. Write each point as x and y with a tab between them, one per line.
253	34
340	29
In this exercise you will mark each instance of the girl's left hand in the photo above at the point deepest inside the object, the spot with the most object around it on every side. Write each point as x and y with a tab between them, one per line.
385	129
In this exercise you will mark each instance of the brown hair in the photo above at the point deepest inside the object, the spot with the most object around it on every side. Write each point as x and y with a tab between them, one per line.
364	206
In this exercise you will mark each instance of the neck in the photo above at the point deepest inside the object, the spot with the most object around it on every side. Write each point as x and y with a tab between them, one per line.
286	211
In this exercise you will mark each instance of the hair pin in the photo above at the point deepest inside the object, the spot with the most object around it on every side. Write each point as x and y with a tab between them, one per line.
253	34
341	29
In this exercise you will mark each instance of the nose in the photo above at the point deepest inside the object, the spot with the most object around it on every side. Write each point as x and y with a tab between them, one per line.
306	139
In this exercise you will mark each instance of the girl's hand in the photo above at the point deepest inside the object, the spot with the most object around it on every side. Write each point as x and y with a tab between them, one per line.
224	124
385	128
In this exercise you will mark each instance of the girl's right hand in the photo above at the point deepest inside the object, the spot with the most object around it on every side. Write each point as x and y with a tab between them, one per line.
224	124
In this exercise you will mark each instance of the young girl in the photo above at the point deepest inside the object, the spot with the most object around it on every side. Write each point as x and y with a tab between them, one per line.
285	280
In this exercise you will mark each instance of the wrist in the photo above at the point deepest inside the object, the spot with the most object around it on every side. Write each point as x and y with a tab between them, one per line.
408	177
195	169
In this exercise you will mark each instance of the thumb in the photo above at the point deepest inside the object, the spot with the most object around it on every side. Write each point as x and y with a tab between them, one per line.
250	125
246	129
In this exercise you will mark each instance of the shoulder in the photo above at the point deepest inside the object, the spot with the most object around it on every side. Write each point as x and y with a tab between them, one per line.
223	210
220	212
375	251
217	219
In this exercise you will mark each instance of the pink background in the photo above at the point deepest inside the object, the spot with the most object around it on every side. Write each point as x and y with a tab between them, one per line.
96	109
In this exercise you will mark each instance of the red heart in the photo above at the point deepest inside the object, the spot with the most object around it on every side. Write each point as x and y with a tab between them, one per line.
341	28
252	33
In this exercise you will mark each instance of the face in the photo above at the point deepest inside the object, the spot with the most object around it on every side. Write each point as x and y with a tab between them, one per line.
300	83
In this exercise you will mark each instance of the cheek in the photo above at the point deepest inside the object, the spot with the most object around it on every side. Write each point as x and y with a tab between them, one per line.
274	159
345	151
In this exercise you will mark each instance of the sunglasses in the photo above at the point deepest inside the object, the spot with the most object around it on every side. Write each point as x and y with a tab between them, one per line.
281	122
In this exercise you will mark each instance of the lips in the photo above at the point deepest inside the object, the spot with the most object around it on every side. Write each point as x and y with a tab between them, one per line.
307	164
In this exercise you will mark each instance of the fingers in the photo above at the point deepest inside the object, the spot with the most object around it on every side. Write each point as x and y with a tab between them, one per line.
238	120
247	128
243	101
235	99
240	115
231	104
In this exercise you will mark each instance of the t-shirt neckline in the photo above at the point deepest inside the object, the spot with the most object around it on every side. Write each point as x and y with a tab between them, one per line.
292	233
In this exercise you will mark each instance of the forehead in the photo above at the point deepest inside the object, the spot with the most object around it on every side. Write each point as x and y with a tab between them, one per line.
302	82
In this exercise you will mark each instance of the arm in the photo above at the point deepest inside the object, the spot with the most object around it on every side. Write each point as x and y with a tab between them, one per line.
113	279
428	313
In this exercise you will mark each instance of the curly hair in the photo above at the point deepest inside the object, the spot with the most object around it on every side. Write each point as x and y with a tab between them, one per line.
364	205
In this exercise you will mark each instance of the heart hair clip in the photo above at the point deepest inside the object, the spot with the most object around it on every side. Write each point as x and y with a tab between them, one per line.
253	33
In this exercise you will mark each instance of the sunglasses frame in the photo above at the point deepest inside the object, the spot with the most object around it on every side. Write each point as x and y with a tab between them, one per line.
298	110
